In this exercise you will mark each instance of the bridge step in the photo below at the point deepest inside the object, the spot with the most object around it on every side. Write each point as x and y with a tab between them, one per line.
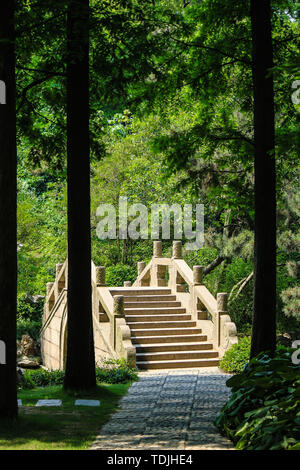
150	298
178	363
167	339
161	324
165	331
153	311
164	347
129	291
158	318
164	334
175	355
153	304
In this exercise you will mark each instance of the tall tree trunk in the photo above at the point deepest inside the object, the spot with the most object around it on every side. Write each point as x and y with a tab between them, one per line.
80	365
8	218
264	318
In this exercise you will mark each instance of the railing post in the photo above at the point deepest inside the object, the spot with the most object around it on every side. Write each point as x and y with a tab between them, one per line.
49	302
222	299
100	276
59	284
58	269
127	284
157	249
49	286
198	275
118	312
201	311
140	267
177	249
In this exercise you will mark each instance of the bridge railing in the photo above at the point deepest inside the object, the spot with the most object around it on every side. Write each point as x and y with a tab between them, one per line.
111	334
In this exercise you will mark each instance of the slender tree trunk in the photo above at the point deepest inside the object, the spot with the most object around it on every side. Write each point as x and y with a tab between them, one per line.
264	318
8	219
80	366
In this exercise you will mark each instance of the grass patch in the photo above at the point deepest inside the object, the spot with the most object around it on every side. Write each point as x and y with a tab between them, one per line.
63	428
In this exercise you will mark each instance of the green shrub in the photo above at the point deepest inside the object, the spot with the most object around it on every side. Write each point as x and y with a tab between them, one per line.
42	378
263	412
28	327
113	371
235	359
116	275
28	309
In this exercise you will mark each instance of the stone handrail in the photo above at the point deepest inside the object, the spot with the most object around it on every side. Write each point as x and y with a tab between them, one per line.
107	311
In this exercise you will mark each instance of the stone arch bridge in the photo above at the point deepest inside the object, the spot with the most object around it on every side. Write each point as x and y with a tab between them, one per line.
166	319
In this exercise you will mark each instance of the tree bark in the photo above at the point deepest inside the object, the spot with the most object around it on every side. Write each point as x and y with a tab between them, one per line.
80	365
214	264
8	218
264	316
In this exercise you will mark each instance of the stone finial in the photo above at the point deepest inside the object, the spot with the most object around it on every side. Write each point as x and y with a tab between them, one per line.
222	298
157	249
177	249
100	275
119	305
49	286
198	275
127	284
140	267
58	269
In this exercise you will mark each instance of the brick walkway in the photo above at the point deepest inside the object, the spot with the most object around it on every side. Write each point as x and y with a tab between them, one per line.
170	409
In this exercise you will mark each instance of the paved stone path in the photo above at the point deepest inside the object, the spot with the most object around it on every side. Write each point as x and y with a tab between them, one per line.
170	409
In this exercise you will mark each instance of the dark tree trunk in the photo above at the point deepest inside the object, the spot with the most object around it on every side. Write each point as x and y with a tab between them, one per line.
264	318
80	365
8	211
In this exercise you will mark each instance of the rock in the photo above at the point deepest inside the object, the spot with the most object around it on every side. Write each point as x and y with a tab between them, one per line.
28	345
26	363
286	339
20	351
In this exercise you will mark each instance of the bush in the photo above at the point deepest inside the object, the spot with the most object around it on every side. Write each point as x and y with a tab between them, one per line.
42	378
28	309
235	359
28	327
116	275
263	412
113	371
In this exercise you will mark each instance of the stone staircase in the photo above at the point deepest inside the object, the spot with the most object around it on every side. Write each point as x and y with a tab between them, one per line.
162	332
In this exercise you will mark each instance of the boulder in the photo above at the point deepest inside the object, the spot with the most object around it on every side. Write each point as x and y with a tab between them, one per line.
20	351
28	345
26	363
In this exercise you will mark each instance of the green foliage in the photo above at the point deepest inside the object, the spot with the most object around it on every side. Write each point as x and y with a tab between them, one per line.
263	412
29	327
116	275
42	378
113	371
235	359
28	309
